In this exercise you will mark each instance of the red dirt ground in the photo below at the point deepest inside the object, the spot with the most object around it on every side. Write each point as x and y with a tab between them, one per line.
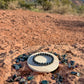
22	31
27	28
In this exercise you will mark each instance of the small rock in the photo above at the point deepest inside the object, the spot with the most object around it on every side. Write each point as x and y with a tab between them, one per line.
17	61
30	78
14	76
66	60
24	54
59	57
56	54
11	52
57	81
25	58
76	66
20	56
69	65
64	56
62	61
22	81
20	65
47	49
73	73
44	82
65	63
16	67
58	75
72	62
22	59
48	16
53	78
78	74
61	80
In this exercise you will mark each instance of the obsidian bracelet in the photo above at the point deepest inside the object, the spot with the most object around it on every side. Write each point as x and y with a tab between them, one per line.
43	64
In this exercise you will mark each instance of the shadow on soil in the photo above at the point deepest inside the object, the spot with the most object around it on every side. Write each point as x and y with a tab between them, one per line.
71	25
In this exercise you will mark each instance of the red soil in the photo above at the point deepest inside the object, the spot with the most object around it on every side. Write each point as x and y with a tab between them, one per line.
24	28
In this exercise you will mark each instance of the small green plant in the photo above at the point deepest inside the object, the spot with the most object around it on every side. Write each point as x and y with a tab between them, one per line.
13	5
62	7
46	4
2	4
80	9
64	2
26	5
54	6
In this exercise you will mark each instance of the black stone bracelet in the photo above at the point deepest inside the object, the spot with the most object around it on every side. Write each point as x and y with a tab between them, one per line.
43	64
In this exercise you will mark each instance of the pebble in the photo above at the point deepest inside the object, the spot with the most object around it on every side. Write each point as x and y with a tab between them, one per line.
14	76
18	58
73	73
78	74
22	81
76	66
64	56
63	61
59	57
72	62
56	54
58	82
61	80
16	67
69	65
66	60
24	54
11	52
22	59
30	78
53	78
44	82
58	75
20	65
25	58
17	61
